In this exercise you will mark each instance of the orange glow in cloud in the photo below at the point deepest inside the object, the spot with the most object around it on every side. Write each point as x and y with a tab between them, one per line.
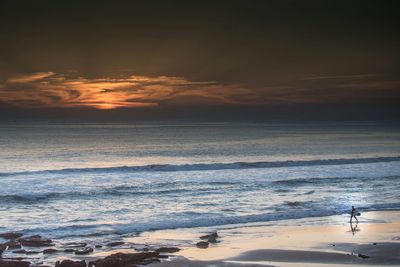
48	89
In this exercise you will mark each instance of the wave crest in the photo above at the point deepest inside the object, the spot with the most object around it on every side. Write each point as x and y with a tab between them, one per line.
209	166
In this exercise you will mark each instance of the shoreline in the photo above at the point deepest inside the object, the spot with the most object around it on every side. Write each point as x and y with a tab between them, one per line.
319	241
300	242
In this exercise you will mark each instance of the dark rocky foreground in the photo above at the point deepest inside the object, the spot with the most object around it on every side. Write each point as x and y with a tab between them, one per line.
114	260
22	246
19	245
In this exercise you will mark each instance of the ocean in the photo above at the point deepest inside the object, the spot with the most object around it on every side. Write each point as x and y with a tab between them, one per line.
64	180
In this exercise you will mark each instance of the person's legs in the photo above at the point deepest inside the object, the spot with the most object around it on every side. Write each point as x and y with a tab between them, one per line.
356	219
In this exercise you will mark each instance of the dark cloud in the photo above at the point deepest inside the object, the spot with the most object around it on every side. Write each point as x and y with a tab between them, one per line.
237	55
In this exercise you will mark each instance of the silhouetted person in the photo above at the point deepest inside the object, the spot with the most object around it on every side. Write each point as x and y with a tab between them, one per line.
354	213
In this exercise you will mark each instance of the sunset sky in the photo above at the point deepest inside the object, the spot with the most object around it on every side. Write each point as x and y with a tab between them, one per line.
199	60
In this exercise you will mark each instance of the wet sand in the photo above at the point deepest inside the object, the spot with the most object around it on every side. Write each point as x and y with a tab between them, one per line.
318	242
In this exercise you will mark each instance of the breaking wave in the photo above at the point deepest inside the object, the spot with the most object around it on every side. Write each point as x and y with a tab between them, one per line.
208	166
191	220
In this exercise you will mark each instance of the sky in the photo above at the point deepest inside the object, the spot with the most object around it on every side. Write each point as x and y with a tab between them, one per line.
246	60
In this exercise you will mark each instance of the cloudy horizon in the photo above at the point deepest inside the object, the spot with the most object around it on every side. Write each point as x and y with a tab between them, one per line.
176	60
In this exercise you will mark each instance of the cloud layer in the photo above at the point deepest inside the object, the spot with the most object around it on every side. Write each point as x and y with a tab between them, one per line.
49	89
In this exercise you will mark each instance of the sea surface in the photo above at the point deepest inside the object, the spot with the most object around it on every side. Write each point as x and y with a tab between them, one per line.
66	180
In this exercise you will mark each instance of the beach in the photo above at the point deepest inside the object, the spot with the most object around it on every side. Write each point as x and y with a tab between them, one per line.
199	133
269	190
320	241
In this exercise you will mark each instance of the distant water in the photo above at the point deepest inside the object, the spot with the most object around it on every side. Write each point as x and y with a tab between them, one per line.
65	180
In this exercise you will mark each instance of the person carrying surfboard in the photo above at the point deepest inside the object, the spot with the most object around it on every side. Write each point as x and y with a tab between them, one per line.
354	213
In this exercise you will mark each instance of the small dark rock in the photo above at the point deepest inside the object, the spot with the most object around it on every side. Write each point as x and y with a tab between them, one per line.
30	252
12	244
35	241
69	250
202	244
10	235
210	236
20	251
2	248
363	256
26	252
293	203
167	250
124	259
98	246
148	261
50	251
374	244
114	244
84	251
69	263
163	256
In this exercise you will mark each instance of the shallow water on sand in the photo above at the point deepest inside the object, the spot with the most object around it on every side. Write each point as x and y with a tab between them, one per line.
64	180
